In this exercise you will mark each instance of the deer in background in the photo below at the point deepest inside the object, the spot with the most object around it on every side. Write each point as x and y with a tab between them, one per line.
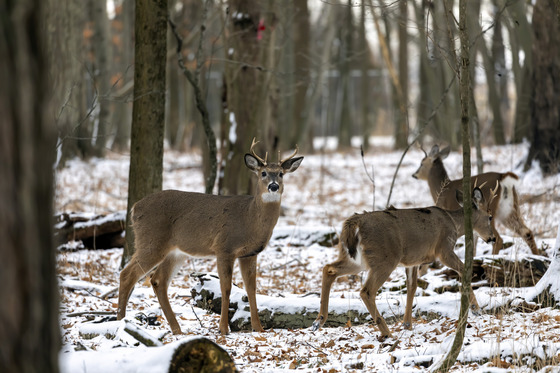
504	206
379	241
171	225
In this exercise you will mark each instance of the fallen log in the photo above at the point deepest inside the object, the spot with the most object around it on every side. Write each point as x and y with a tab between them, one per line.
92	231
197	354
501	271
291	312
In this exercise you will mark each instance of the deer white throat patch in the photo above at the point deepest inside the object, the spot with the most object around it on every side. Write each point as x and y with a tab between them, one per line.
505	205
271	197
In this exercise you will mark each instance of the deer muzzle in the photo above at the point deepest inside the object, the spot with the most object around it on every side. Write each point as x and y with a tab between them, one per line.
273	187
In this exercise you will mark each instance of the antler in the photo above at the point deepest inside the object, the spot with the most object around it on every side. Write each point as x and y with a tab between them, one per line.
493	193
290	157
263	161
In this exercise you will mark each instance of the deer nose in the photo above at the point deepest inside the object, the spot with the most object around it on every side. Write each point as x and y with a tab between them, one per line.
273	187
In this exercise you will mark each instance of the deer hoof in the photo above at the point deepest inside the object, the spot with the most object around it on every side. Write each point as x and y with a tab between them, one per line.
407	325
476	310
316	326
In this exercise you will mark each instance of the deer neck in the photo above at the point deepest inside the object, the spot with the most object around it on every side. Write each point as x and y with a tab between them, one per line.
458	219
265	209
438	179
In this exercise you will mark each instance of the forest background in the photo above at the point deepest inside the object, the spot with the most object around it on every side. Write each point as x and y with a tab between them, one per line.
284	72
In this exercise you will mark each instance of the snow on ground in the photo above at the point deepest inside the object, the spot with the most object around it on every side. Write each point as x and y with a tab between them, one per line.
325	190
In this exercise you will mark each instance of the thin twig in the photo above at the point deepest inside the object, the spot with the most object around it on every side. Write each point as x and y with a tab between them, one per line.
195	315
371	177
75	314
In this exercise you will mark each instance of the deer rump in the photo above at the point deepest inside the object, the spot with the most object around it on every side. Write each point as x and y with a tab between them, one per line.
393	237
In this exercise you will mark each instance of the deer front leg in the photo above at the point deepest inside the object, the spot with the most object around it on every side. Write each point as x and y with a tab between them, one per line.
450	259
249	272
499	244
330	273
411	285
225	269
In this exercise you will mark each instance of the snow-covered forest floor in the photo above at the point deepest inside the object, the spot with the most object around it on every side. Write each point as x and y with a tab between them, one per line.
325	190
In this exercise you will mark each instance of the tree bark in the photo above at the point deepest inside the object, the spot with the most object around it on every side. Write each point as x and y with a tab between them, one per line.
545	105
102	49
148	112
247	76
29	302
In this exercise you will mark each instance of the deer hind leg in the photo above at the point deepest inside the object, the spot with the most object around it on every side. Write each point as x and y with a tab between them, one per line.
376	277
225	271
331	271
411	285
160	283
515	222
450	259
249	272
137	268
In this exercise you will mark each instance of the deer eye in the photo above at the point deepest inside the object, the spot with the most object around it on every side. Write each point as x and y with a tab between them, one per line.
281	174
263	174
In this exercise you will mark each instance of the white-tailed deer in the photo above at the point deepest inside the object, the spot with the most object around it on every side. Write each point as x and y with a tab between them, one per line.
379	241
504	206
171	225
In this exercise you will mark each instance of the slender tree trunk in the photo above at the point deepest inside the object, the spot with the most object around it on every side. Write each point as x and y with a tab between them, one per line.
102	48
148	112
466	276
401	123
123	107
65	51
29	302
345	55
521	35
365	102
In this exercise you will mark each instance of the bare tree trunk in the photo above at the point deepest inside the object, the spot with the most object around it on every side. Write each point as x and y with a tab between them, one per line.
344	66
123	107
102	48
246	77
545	105
401	122
365	100
521	39
65	50
465	87
29	302
148	112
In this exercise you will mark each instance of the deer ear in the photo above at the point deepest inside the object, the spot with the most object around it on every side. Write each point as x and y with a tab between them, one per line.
434	151
444	152
477	198
459	197
291	164
253	163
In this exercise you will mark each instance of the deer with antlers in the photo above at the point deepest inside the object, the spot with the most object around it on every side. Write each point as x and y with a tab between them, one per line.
504	206
171	225
380	241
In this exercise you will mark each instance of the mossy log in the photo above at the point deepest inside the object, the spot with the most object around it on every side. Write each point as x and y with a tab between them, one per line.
207	296
498	271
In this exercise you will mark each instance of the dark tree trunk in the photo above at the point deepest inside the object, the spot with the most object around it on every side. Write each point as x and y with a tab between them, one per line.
148	112
247	77
545	105
29	303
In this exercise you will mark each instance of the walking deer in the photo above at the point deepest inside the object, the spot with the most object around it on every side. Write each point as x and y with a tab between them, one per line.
504	207
379	241
171	225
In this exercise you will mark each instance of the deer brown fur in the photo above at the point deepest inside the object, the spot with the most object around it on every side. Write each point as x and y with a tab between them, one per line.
171	225
504	206
380	241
